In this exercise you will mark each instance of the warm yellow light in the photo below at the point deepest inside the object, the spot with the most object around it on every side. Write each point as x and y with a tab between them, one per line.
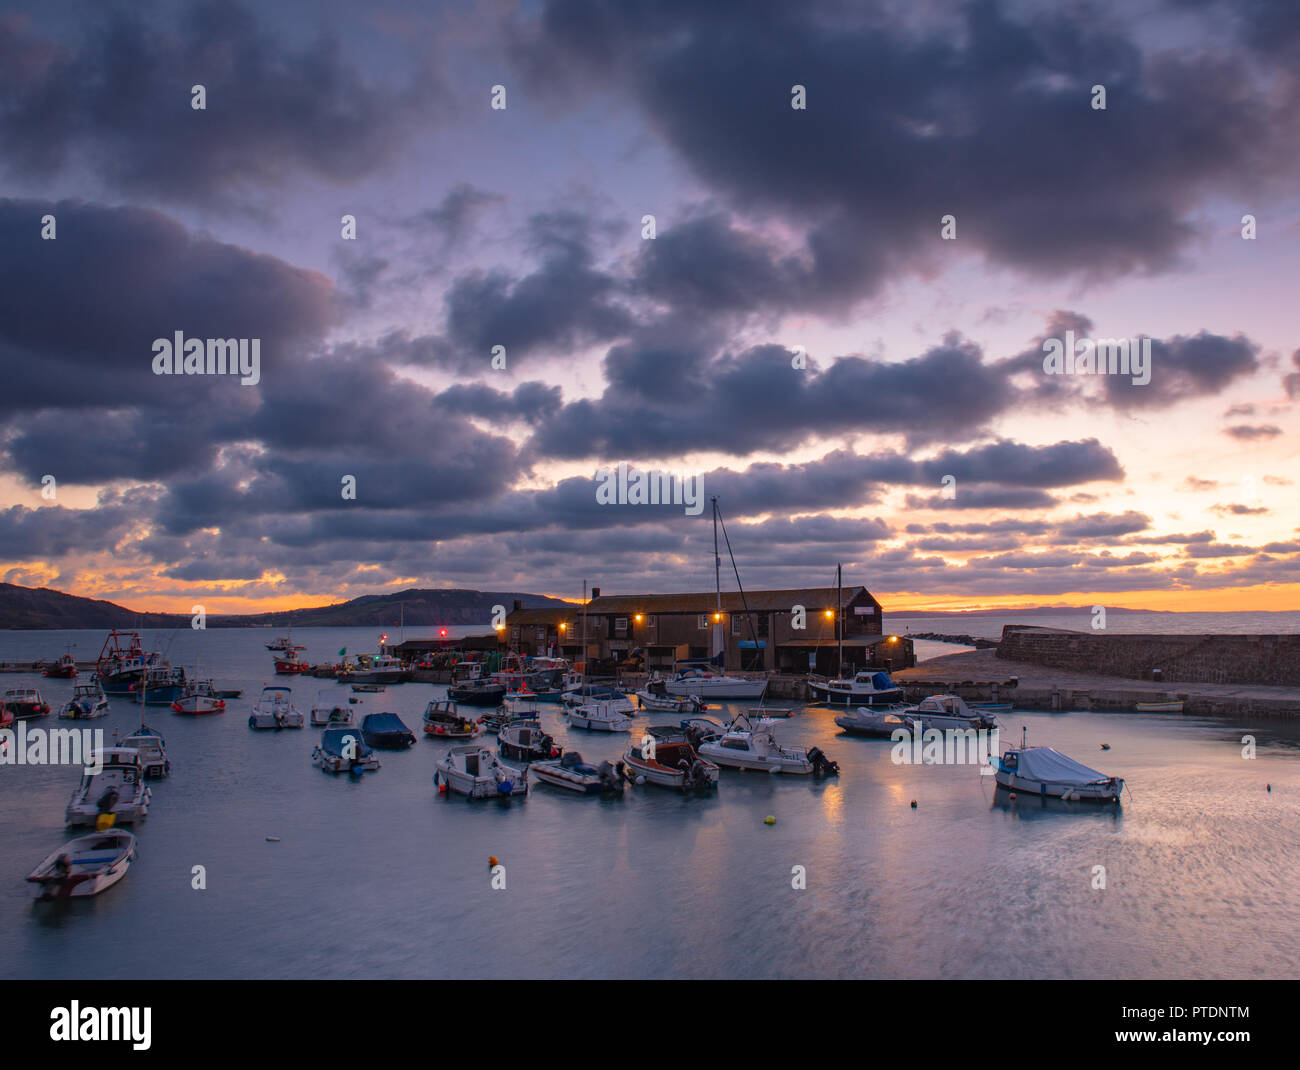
638	616
830	613
717	616
563	626
500	627
893	639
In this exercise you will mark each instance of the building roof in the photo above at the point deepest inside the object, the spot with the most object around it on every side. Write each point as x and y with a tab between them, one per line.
732	602
542	616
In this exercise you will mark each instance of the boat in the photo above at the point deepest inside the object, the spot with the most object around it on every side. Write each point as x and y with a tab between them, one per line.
63	669
617	700
88	701
228	692
112	783
386	730
477	773
764	710
947	711
991	708
159	685
342	750
573	774
525	741
1160	707
697	730
121	662
553	678
199	698
275	709
1046	772
443	720
369	689
599	716
873	688
25	703
654	698
745	746
493	722
289	664
379	669
328	712
879	723
673	764
153	750
6	719
284	643
84	866
469	687
713	686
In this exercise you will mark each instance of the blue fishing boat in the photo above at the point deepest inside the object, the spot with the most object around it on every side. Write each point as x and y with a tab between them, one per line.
386	730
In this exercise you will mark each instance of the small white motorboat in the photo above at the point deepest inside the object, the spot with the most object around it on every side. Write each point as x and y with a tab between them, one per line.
654	698
477	773
116	793
880	723
744	746
573	774
84	866
275	709
328	712
88	701
709	686
153	750
873	688
1046	772
671	764
342	750
599	716
615	700
948	711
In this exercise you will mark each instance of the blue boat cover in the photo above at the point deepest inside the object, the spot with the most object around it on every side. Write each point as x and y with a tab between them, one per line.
335	739
1049	764
379	723
881	681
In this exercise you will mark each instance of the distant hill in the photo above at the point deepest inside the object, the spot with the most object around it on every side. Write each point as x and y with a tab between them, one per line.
23	608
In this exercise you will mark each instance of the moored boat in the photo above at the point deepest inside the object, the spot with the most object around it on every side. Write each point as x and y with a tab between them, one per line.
112	787
288	663
1046	772
386	730
88	701
199	698
754	747
599	716
477	773
654	698
152	748
25	703
159	685
328	712
121	662
525	741
672	764
880	723
63	669
378	669
1160	707
84	866
573	774
865	689
708	686
275	709
443	720
342	750
947	711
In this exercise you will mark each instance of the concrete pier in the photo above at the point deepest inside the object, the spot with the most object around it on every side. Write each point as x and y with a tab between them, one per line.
981	675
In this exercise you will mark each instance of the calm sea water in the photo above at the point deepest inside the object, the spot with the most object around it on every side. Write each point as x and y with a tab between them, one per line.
380	878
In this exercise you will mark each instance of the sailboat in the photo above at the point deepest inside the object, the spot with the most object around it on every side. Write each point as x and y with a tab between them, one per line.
866	688
699	682
596	714
148	741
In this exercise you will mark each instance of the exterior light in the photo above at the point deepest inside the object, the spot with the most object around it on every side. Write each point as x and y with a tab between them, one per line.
563	626
717	616
638	616
830	613
893	639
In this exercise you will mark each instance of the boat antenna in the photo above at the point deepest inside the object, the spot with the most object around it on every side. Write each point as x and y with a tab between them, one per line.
586	690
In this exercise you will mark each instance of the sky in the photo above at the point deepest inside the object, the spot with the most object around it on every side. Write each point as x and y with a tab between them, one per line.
807	256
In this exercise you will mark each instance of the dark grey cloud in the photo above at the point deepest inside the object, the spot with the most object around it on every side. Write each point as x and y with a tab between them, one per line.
117	104
1252	432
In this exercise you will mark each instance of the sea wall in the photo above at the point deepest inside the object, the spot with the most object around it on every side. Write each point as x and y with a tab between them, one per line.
1267	660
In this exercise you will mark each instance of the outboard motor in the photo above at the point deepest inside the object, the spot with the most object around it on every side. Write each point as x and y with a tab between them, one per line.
699	777
611	777
108	801
822	766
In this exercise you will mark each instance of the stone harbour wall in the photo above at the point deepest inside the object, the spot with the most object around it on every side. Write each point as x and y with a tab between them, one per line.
1272	660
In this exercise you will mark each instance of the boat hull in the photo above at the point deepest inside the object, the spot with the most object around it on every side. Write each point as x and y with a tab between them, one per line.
716	688
754	763
833	697
1108	792
79	881
617	723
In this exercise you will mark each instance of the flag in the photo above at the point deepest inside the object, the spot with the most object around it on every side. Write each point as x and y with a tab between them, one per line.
343	652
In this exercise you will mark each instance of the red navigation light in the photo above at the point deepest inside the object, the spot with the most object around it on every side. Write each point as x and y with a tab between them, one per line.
442	632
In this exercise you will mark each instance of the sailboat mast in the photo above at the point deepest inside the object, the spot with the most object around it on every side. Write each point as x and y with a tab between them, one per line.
717	646
839	615
585	690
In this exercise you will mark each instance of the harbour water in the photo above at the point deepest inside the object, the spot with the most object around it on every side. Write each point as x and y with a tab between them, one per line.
381	878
